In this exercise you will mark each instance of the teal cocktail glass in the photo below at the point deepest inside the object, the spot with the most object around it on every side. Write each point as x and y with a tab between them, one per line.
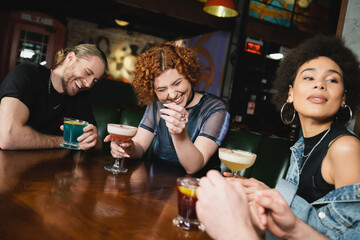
73	128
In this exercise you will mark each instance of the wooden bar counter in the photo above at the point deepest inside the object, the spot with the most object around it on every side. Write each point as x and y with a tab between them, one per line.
64	194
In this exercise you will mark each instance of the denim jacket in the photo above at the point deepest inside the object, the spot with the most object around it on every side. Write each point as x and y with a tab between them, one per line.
337	214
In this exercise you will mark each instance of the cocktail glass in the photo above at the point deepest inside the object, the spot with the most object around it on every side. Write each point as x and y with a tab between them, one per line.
187	198
73	128
121	133
236	159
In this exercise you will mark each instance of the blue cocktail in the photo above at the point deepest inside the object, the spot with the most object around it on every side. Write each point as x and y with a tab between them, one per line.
73	128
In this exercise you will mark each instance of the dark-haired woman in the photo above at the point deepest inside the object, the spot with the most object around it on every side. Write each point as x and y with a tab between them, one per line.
318	83
323	181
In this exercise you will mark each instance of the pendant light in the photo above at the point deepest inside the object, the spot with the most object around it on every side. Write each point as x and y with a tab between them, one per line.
221	8
121	23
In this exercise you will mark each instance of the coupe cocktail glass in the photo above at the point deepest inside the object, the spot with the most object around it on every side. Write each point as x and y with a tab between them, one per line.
236	160
121	133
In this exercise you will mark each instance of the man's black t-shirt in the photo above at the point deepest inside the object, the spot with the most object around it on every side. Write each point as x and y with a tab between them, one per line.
30	83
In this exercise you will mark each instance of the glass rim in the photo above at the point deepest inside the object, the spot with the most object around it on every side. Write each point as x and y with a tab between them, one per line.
225	150
75	120
120	125
191	180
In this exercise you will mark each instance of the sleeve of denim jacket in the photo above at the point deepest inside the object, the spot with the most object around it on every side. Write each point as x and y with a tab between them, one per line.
335	220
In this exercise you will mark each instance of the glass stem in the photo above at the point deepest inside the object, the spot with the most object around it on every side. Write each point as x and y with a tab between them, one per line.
117	163
234	173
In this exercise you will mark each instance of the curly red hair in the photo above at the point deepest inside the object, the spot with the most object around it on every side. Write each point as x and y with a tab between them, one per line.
158	59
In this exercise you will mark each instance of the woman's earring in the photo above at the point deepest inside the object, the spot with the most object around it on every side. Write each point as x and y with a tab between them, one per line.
286	122
350	113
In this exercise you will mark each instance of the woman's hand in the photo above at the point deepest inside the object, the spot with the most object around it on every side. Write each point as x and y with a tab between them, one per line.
120	149
251	186
175	117
229	174
270	211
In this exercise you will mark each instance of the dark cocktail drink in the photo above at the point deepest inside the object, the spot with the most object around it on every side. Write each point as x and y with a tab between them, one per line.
186	201
186	193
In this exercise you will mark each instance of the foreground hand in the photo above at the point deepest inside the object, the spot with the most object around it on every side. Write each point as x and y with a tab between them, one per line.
271	211
251	186
175	117
274	214
223	208
120	149
89	138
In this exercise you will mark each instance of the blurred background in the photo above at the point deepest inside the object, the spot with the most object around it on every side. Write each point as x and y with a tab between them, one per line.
240	52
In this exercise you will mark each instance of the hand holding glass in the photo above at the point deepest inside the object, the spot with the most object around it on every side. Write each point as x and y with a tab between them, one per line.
120	133
73	128
236	160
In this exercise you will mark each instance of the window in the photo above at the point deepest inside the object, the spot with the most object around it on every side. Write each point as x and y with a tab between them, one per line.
32	47
306	15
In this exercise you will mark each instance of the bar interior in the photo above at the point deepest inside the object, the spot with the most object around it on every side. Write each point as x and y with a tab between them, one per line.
67	194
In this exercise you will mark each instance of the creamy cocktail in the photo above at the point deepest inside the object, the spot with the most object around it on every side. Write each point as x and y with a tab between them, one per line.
121	133
235	159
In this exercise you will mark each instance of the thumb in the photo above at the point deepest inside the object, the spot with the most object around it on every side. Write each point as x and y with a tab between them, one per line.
269	199
107	138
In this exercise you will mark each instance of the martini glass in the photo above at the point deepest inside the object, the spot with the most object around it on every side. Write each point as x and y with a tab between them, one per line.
236	160
121	133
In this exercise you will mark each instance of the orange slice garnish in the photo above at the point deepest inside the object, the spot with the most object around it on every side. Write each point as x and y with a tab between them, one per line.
74	123
191	192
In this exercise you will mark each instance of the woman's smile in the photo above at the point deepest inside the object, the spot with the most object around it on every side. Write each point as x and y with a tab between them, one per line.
317	98
172	87
179	100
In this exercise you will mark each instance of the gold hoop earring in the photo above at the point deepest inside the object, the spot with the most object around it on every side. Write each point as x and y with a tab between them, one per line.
286	122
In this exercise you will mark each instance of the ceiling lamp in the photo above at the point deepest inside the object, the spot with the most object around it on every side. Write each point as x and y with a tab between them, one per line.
221	8
121	22
275	56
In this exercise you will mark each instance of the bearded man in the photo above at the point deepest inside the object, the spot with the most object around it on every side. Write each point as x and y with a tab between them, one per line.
35	99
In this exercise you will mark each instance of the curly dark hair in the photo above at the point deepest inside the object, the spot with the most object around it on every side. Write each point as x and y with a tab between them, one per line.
158	59
317	46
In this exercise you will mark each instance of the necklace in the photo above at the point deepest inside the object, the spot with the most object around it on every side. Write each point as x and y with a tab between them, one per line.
191	98
308	155
49	85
